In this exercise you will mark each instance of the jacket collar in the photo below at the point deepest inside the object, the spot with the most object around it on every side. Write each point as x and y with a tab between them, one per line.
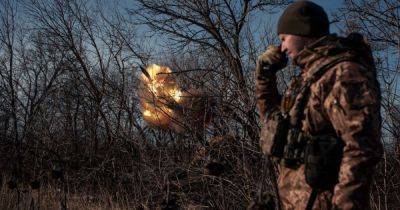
321	48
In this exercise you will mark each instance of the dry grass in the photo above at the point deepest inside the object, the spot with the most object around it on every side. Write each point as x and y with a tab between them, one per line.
220	176
224	174
52	197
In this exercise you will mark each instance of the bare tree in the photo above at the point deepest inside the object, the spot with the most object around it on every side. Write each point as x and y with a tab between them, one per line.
8	42
215	31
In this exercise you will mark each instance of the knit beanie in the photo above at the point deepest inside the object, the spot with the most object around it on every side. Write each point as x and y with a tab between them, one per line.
304	18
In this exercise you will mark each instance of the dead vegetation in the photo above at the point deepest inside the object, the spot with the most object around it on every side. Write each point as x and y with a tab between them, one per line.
72	134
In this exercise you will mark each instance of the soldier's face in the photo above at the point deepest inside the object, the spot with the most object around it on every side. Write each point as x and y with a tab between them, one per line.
293	44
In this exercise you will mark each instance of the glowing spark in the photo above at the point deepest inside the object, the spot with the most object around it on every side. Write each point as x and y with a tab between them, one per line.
147	113
154	70
176	95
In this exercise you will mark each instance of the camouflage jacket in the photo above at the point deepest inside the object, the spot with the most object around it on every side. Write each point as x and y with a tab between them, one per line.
344	102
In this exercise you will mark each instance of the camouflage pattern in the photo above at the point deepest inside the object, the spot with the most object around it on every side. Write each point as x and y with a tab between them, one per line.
344	102
271	61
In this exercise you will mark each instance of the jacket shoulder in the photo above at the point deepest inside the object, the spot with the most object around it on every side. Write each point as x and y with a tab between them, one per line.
343	78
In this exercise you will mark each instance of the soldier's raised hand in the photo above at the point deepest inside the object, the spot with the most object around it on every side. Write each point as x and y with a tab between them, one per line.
271	61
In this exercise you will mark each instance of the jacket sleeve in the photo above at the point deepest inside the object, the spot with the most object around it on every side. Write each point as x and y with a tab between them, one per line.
353	108
267	95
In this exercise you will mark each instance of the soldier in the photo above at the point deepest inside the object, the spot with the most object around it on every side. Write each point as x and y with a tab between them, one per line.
325	129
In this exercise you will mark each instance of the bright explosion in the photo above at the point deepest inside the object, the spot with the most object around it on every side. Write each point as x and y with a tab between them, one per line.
160	94
166	105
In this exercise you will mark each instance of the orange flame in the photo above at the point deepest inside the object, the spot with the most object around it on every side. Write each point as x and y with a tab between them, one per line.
159	90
